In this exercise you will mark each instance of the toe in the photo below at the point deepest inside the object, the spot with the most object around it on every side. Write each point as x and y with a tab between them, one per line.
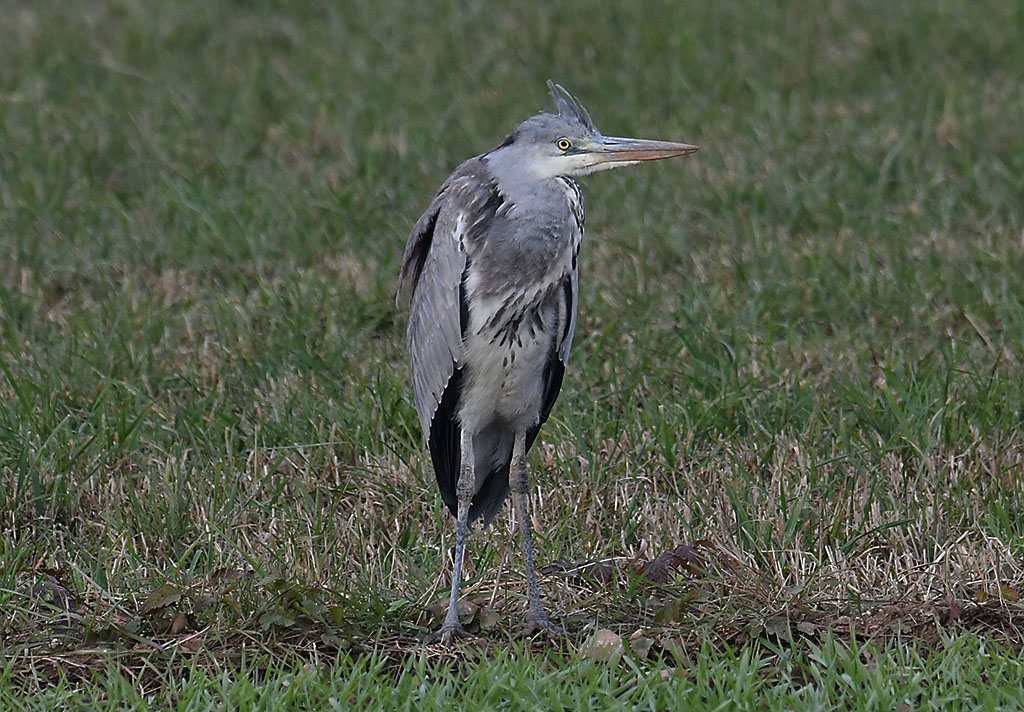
539	623
449	634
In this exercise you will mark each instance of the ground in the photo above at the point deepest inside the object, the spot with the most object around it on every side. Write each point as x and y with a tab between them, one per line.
785	469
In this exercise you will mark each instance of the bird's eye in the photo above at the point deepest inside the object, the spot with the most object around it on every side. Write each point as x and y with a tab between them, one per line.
563	144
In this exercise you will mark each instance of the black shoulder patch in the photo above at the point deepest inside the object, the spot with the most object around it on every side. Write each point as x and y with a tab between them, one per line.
509	140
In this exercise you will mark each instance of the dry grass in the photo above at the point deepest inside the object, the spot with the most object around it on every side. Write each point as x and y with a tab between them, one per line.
893	577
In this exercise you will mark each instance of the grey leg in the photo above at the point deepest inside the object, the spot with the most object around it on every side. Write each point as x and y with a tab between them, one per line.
536	619
451	627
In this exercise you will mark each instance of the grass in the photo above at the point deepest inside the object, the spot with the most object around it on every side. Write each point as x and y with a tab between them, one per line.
800	348
830	675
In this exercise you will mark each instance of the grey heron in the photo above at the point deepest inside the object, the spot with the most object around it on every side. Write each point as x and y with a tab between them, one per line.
491	267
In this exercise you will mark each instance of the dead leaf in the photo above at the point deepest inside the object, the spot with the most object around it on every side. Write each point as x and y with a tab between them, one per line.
1009	594
467	611
778	626
164	596
953	611
488	618
179	622
688	557
603	645
659	569
192	644
641	644
806	627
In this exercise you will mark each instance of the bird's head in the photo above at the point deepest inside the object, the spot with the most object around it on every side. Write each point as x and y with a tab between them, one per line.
567	143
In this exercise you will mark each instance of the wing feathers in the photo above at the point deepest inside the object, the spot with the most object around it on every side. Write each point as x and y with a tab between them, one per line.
433	268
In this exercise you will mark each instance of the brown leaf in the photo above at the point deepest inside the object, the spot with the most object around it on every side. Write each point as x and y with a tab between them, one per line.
806	627
1009	594
467	611
603	645
952	612
192	645
688	558
659	569
225	574
179	622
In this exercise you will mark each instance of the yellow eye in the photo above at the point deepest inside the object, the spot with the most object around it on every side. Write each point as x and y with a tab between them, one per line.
563	144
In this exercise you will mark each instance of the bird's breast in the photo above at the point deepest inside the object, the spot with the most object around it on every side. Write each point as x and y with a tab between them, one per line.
505	360
504	370
518	306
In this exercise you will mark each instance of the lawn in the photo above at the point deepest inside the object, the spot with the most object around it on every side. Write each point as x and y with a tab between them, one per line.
799	363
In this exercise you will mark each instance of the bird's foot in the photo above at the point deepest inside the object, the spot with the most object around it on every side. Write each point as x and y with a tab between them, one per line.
538	622
449	633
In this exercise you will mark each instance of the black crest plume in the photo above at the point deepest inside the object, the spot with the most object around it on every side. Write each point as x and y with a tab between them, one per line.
569	108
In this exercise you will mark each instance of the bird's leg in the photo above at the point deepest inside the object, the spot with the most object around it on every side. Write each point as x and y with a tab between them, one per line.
536	619
451	627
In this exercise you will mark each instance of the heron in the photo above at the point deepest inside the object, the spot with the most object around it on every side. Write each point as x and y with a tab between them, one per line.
491	272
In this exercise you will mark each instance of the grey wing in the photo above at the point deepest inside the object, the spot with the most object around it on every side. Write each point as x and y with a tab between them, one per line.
434	262
434	335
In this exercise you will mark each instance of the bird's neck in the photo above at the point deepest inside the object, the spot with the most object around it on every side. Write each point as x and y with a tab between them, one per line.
525	188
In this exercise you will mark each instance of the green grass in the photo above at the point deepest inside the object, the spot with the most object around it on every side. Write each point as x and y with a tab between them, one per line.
826	676
802	346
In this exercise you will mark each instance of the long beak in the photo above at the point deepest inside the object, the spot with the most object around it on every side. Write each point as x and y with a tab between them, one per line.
609	149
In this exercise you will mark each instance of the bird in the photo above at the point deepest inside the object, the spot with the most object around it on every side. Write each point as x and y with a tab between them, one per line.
491	274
